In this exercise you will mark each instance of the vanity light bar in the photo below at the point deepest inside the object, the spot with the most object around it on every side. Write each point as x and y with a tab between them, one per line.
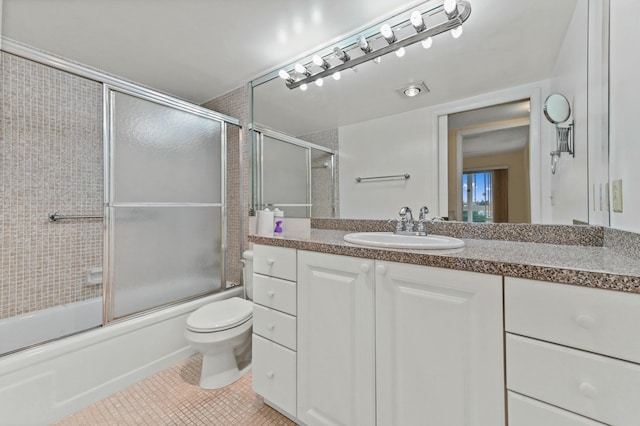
454	20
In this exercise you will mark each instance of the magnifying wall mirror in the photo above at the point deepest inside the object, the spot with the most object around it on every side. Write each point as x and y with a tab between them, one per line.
558	110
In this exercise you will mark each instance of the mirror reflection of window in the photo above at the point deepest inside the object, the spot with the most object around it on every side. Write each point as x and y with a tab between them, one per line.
485	197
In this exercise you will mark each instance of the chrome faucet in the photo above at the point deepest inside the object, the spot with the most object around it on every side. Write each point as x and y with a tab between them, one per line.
406	225
407	218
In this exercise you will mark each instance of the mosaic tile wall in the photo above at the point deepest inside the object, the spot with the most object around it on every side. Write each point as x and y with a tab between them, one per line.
321	194
50	161
236	104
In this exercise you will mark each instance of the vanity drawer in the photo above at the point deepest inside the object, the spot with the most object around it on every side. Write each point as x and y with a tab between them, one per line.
277	262
275	293
601	321
525	411
274	373
274	325
602	388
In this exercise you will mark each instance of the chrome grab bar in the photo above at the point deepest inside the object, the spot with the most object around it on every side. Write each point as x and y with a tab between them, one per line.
56	217
404	176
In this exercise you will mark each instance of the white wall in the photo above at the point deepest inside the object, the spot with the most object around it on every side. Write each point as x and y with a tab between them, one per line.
569	190
391	145
624	141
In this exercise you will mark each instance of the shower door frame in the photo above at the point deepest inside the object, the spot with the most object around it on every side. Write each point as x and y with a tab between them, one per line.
259	133
108	314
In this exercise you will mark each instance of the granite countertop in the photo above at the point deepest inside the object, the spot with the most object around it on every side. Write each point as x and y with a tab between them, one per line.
588	266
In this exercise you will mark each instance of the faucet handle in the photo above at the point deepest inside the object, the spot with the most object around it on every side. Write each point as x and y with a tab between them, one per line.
424	211
405	214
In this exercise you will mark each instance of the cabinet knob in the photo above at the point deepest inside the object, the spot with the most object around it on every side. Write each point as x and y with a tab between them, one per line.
588	390
270	326
585	321
381	269
271	293
365	267
270	262
270	374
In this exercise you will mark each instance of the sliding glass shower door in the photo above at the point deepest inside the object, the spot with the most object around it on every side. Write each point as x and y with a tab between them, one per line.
165	208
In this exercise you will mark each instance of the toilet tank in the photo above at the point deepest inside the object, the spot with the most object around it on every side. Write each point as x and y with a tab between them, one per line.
247	272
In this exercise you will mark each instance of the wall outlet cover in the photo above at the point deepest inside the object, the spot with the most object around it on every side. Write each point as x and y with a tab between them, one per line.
616	195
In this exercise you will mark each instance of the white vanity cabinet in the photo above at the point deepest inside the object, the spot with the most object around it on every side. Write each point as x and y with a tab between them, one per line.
439	346
396	344
336	347
274	326
571	347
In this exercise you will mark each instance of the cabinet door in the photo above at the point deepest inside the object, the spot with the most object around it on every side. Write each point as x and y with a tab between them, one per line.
336	383
439	347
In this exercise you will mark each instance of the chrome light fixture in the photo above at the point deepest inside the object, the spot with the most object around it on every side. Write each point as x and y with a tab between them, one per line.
454	13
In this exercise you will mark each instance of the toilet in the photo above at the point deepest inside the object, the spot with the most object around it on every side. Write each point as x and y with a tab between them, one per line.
221	331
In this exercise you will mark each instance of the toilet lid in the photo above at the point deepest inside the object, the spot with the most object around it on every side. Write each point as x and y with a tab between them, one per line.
220	315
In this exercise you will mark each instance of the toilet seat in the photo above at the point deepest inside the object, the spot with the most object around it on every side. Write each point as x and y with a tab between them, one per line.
221	315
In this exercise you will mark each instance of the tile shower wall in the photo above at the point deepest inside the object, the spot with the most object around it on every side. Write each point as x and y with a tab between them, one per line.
235	104
50	161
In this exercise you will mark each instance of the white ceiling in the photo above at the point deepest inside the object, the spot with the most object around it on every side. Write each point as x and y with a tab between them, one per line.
497	129
193	49
200	49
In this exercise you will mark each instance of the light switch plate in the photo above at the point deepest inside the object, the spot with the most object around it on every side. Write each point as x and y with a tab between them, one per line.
616	195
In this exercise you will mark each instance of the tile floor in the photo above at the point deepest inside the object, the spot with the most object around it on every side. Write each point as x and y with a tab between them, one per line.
173	397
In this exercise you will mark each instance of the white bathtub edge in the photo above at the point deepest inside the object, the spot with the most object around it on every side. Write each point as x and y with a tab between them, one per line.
67	375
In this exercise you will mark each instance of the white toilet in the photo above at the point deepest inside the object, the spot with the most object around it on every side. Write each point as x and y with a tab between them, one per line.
221	331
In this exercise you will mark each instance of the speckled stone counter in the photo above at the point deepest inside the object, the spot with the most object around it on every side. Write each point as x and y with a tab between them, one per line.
591	266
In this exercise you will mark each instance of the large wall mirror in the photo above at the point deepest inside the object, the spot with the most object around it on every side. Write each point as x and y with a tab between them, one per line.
473	143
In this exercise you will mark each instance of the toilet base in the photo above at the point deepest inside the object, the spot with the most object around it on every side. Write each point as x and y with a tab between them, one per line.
220	370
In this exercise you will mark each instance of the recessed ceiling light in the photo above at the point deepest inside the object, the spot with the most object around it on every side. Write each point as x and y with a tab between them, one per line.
413	89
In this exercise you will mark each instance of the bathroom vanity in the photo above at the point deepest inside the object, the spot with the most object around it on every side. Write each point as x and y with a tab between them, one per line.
353	335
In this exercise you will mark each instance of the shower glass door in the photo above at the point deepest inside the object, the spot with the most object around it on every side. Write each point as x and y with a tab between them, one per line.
165	208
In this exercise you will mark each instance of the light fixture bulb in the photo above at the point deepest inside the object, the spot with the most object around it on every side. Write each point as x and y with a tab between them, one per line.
318	60
303	87
377	60
364	44
336	75
301	68
427	43
387	33
400	52
456	32
450	6
412	91
284	75
341	54
319	82
417	21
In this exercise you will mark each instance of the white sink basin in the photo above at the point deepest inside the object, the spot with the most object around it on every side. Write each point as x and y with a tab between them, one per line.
391	240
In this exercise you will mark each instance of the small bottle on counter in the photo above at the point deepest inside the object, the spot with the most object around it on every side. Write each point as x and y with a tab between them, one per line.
278	216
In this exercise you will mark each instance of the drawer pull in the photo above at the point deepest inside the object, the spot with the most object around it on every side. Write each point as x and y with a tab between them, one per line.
270	374
270	262
381	269
585	321
271	293
365	267
588	390
270	326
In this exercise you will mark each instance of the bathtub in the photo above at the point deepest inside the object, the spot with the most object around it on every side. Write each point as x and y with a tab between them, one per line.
29	329
45	383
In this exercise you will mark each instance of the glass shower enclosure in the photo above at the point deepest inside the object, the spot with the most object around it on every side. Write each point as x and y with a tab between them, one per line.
164	203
